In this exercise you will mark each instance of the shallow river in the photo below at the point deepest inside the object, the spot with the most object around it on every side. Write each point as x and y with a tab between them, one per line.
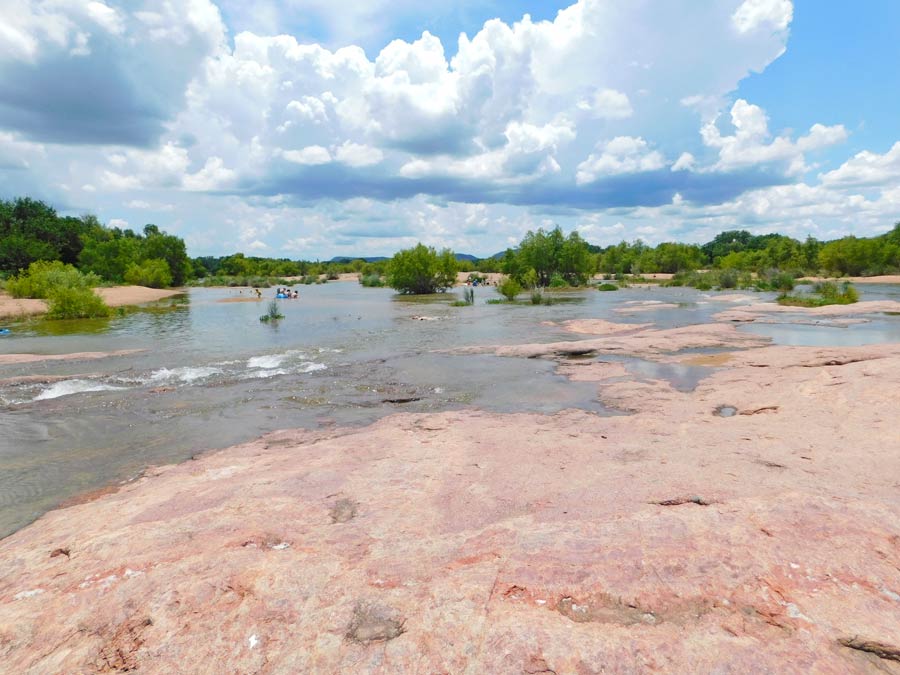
209	374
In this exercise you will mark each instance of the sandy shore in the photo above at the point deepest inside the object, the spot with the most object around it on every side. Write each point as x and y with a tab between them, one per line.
882	279
752	525
117	296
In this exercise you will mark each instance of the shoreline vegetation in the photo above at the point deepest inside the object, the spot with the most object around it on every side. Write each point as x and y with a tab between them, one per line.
32	232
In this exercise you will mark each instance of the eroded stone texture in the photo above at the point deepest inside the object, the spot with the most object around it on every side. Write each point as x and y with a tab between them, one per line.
486	543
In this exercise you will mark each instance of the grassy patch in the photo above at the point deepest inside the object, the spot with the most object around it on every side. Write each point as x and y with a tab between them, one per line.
825	293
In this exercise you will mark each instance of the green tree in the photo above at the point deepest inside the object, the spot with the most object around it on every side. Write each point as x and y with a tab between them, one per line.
421	270
154	273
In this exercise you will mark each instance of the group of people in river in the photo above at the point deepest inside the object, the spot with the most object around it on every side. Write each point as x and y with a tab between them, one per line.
286	293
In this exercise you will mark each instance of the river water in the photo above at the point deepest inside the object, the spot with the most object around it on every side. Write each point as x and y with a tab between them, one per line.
209	374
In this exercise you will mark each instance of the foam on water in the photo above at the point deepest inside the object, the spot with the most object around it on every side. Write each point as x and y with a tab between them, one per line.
266	362
69	387
186	374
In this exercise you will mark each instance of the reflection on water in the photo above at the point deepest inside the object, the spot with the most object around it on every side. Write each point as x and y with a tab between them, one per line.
209	374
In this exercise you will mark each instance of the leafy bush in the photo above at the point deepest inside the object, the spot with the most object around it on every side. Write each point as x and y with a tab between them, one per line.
607	287
556	281
509	288
537	297
42	277
728	279
75	303
154	273
371	281
273	313
421	270
825	293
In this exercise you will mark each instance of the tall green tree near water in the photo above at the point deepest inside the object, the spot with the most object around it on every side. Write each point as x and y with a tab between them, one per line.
30	230
550	254
421	270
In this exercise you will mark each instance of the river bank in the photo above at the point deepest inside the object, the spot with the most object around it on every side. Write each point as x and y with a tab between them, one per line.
115	296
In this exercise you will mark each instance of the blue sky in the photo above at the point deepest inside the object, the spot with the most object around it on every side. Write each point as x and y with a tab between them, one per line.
314	128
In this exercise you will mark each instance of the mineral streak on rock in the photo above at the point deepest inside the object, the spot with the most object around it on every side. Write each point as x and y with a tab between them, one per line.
499	543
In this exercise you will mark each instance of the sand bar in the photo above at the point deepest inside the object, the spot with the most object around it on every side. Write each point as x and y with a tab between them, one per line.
116	296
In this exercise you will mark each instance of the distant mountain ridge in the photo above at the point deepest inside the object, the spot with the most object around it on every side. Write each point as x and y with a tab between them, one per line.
380	258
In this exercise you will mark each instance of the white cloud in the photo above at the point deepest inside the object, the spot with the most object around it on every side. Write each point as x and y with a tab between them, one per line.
751	144
621	155
308	156
685	162
357	154
773	14
608	104
867	169
214	175
527	154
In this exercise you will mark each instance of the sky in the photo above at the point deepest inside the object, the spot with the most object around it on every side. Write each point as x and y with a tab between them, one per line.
319	128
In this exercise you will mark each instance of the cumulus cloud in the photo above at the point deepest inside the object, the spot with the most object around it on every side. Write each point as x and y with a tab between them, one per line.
420	139
609	104
867	169
771	14
115	72
752	145
621	155
309	156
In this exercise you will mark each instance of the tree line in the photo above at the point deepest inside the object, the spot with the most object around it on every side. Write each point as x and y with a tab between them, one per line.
30	231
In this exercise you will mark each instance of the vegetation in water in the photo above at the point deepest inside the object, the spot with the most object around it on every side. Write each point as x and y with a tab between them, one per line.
550	259
421	270
273	313
75	303
824	293
371	280
509	288
606	286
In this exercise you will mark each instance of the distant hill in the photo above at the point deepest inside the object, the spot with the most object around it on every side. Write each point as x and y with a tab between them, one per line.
370	259
380	258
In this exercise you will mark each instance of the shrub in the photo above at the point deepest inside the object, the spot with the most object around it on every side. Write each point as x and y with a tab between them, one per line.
557	281
154	273
273	313
42	277
75	303
825	293
509	288
421	270
607	287
371	281
728	279
536	296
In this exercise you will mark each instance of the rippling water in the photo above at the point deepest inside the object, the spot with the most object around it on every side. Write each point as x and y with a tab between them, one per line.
210	374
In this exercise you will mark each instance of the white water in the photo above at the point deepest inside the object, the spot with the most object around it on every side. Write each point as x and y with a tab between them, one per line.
69	387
